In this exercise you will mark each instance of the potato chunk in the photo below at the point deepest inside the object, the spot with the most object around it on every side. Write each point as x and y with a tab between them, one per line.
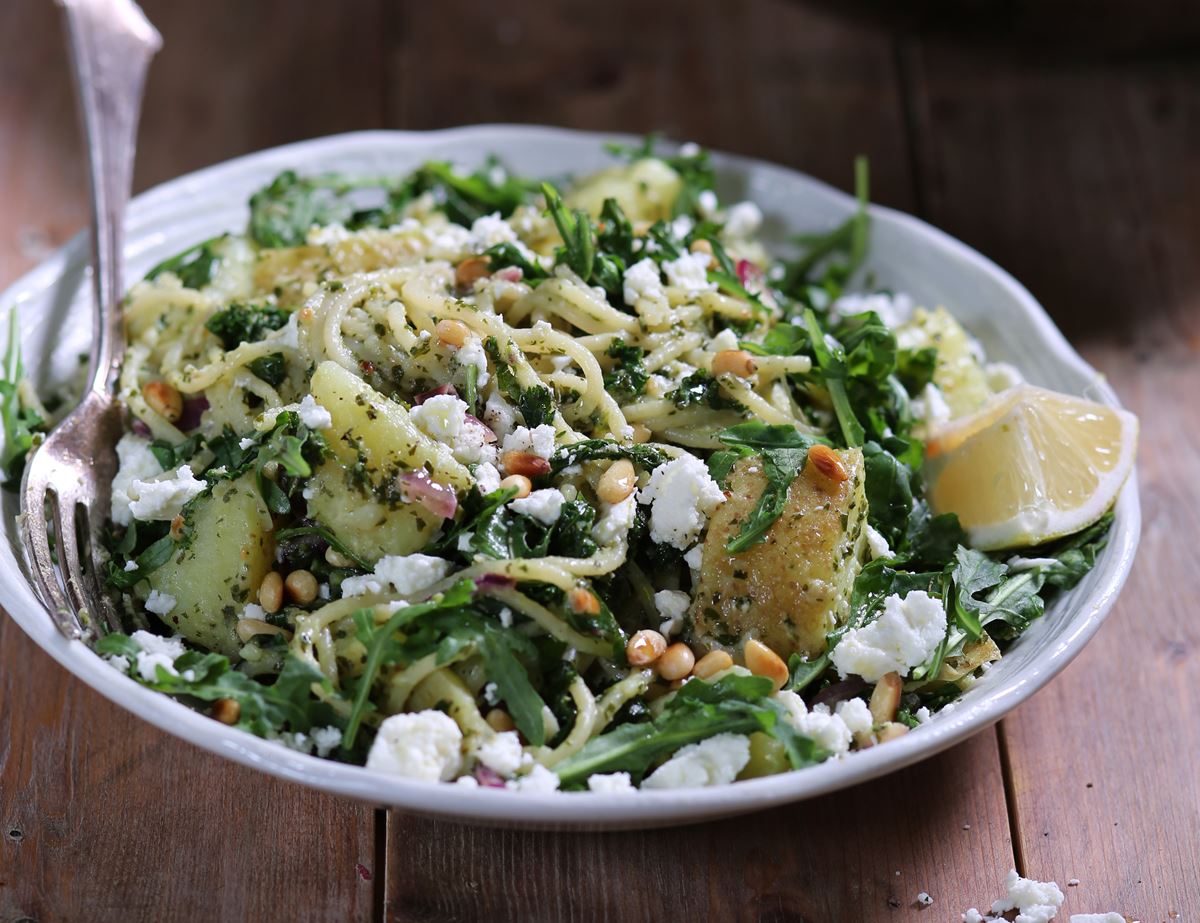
228	553
646	190
792	588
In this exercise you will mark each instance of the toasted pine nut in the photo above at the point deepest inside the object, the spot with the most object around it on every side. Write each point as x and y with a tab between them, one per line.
451	332
676	661
645	647
335	558
762	661
227	711
520	482
701	246
163	399
525	463
885	699
270	592
583	601
641	433
734	362
301	587
499	720
471	269
826	460
248	628
177	527
711	664
891	731
617	482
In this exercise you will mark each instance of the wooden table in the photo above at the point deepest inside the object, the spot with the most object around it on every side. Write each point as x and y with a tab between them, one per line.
1076	166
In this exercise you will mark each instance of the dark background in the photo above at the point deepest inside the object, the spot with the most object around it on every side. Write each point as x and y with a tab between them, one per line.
1062	139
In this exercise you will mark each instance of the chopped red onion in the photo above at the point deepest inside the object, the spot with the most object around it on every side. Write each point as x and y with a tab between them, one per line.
748	272
510	273
140	428
487	777
440	389
495	582
840	692
487	435
418	487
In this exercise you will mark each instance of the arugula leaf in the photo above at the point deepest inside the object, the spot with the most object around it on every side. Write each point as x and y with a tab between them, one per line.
889	493
535	403
171	456
643	455
572	536
282	212
195	267
831	361
245	323
972	573
283	535
575	227
271	368
628	377
477	509
506	254
20	422
512	681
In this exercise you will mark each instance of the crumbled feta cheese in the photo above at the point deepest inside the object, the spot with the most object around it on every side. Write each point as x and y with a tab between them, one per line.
877	544
689	149
327	235
323	591
312	414
443	418
118	662
130	566
642	280
506	617
245	442
467	782
743	220
616	519
253	611
501	752
156	652
682	495
827	729
706	203
924	899
715	761
682	226
689	271
893	310
694	559
672	605
491	694
922	714
490	230
295	740
612	783
419	745
464	542
487	478
537	441
931	406
471	353
1111	917
136	464
499	414
159	603
163	498
1034	901
726	339
539	780
973	916
405	574
904	636
326	739
448	242
855	715
543	505
1018	563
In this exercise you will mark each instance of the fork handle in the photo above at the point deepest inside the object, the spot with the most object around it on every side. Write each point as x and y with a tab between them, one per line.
112	43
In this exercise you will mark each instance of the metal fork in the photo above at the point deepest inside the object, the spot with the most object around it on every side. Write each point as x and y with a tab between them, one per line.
67	482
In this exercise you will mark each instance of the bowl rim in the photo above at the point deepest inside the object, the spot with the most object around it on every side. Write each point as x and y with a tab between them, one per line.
581	809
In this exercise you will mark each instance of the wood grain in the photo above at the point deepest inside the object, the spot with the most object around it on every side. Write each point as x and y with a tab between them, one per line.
1082	178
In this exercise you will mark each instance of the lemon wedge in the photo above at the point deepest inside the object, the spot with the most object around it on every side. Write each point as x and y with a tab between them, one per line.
1029	466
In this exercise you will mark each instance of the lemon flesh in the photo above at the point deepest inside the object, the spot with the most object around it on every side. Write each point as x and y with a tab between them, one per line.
1030	466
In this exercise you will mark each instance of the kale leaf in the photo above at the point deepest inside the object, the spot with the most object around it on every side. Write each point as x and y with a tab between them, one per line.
628	377
195	267
245	323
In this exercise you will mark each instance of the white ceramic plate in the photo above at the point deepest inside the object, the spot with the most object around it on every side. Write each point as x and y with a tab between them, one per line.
906	255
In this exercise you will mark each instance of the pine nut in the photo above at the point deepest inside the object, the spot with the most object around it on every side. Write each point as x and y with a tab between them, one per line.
711	664
335	558
227	711
641	433
645	647
891	731
885	699
762	661
301	587
676	661
701	246
734	362
826	460
499	720
163	399
177	525
451	332
525	463
583	602
471	269
520	482
617	482
270	592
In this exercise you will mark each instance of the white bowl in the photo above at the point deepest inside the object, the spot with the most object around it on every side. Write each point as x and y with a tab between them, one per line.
906	255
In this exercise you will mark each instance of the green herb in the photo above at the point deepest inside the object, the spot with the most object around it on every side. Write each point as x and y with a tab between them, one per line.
508	254
325	534
645	456
575	227
270	368
245	323
572	536
628	377
831	361
172	456
535	402
20	422
702	389
194	267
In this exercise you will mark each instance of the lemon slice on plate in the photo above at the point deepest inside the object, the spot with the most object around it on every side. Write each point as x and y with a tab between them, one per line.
1029	466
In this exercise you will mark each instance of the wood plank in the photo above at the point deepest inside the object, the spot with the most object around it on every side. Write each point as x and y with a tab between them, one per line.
862	854
103	817
1081	177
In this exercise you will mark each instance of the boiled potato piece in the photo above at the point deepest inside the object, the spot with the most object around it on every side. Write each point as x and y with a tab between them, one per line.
289	269
369	528
792	588
646	190
219	569
958	372
368	424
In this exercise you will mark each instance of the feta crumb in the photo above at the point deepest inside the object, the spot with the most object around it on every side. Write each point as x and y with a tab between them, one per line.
156	652
682	495
689	149
827	729
924	899
877	544
443	418
490	230
326	739
136	463
506	617
855	714
726	339
931	406
689	271
537	441
903	637
117	662
467	782
471	353
163	498
159	603
487	478
130	566
893	310
706	203
922	714
715	761
501	752
405	574
694	559
642	281
543	505
419	745
313	415
491	694
464	542
499	414
616	519
743	220
612	783
1111	917
1034	901
672	605
682	226
539	780
323	591
448	242
245	442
